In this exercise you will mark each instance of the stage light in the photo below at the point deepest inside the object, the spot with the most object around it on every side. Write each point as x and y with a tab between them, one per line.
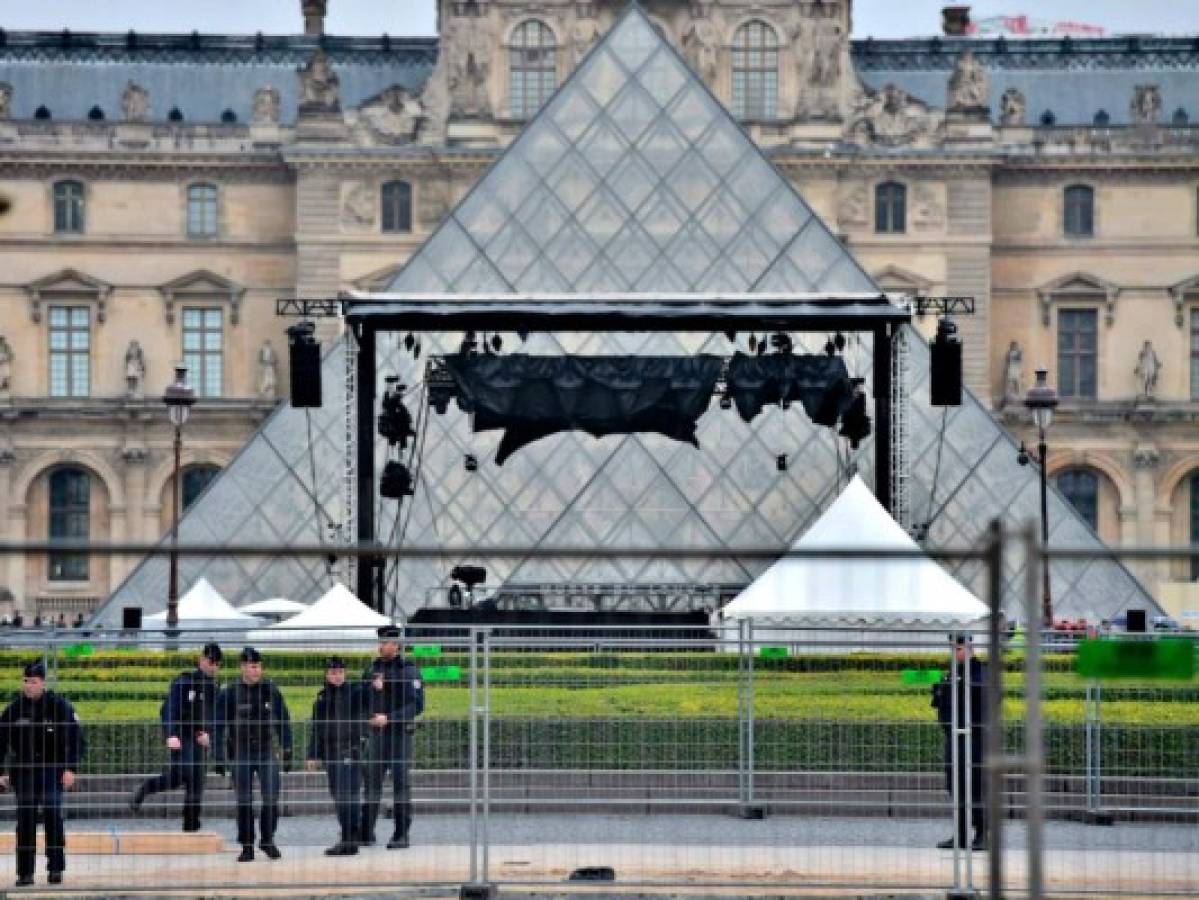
471	462
471	576
855	423
781	462
395	422
396	482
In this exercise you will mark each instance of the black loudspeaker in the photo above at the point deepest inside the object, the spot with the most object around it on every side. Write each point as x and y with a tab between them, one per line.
305	359
945	369
131	618
1136	621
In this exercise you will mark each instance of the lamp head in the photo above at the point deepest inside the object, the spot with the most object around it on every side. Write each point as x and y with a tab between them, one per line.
1042	400
179	397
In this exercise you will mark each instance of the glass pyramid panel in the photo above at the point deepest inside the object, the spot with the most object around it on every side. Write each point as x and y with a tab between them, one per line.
633	177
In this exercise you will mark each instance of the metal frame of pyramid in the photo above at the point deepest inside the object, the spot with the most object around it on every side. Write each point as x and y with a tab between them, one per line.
633	178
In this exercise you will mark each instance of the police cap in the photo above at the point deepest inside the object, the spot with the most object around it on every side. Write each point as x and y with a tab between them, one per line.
250	655
36	669
212	652
389	632
335	662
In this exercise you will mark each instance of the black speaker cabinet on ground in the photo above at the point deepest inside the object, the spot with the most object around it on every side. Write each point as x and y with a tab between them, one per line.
305	359
945	366
1136	621
131	618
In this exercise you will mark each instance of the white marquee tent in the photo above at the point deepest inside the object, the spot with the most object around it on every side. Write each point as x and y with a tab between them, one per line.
338	617
203	608
912	593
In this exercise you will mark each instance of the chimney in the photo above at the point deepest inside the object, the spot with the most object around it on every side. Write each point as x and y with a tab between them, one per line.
955	20
314	16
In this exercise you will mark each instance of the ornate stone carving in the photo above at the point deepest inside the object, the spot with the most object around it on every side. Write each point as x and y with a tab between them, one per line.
135	371
1012	108
854	209
1013	375
267	103
1147	370
392	117
267	379
1146	104
893	118
358	207
969	86
135	103
5	99
1146	456
928	212
583	35
819	48
467	43
319	85
433	202
6	358
700	47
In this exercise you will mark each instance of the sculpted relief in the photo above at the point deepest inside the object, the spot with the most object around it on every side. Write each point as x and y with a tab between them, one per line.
467	42
392	117
1146	104
969	86
319	85
266	106
893	118
1012	108
928	209
701	44
819	51
853	211
357	207
135	103
583	35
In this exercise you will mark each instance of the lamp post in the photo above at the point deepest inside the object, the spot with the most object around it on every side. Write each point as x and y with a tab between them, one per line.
178	398
1042	401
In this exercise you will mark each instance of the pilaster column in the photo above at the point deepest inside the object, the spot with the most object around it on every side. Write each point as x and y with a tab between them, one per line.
1145	459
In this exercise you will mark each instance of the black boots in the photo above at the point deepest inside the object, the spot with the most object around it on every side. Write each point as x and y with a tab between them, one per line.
247	853
398	842
137	798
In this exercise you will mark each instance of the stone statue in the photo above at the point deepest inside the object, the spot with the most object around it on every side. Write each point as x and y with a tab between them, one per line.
393	116
5	99
700	43
892	117
827	46
969	85
5	368
135	370
267	362
1013	374
1012	108
1146	104
1147	369
319	85
469	65
135	103
583	35
267	104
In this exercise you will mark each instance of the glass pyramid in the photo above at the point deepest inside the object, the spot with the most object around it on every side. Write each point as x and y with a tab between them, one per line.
632	178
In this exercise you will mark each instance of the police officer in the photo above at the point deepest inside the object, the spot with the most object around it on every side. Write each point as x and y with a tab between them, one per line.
336	738
187	724
42	731
395	699
250	718
968	670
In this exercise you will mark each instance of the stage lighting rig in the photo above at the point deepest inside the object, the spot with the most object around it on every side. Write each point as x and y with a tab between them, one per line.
395	422
396	482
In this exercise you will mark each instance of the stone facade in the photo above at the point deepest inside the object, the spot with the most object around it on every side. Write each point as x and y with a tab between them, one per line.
302	207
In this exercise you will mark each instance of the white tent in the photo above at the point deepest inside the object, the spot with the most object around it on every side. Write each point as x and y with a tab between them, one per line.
911	593
277	609
203	609
338	617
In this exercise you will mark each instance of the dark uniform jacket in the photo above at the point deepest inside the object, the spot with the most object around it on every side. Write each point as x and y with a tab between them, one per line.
190	705
339	724
403	696
246	718
43	732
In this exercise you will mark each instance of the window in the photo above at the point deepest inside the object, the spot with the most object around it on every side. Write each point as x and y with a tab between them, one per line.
195	480
533	69
70	517
1080	211
890	208
1077	352
68	207
70	351
201	210
1195	354
203	350
1195	523
1081	488
397	207
755	71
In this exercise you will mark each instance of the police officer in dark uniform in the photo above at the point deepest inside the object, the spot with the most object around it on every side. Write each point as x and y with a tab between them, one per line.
250	717
187	722
395	699
336	738
41	730
967	671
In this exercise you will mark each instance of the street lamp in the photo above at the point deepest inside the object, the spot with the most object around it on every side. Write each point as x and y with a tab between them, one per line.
179	398
1042	401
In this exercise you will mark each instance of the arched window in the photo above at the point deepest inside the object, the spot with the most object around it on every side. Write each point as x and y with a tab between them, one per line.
397	207
202	210
1079	211
68	207
533	68
195	480
890	208
70	518
755	71
1081	488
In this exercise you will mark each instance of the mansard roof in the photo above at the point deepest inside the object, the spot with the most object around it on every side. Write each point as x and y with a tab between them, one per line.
201	75
1074	79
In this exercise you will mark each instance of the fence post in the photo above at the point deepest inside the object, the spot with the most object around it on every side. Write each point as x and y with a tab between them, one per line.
1034	750
478	886
993	709
749	809
1095	814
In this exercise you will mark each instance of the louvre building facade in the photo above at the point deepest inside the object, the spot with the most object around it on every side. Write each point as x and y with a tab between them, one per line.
167	189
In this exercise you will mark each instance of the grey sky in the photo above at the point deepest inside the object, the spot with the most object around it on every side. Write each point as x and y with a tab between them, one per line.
877	18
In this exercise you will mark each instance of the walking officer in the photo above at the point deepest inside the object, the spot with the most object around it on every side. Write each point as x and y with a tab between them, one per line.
952	702
395	699
250	718
41	730
336	738
187	722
